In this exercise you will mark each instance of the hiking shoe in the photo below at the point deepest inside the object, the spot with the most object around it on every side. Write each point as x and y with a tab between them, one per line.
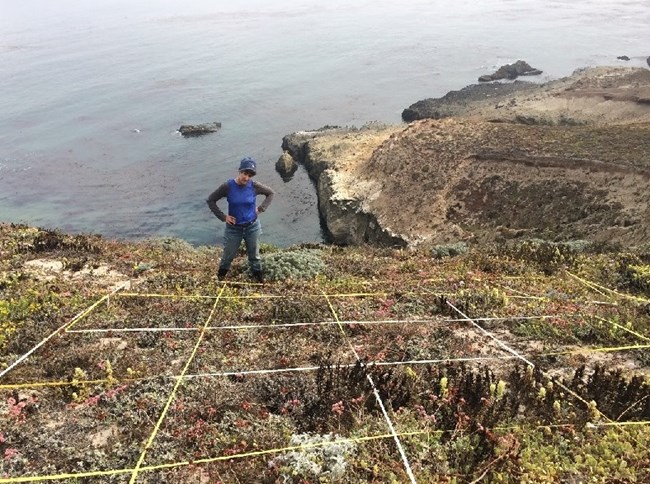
258	276
221	275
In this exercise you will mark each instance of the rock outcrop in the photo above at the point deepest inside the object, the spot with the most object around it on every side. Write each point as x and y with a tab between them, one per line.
329	154
511	71
286	166
565	160
457	103
440	181
199	129
599	95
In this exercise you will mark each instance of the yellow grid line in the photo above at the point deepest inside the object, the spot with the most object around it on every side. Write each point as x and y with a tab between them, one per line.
257	453
255	296
596	288
134	476
638	335
523	295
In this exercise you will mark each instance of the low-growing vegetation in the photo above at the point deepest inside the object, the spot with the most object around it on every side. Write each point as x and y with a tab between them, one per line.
130	362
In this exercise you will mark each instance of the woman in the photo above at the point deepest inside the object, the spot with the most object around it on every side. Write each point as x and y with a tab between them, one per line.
242	221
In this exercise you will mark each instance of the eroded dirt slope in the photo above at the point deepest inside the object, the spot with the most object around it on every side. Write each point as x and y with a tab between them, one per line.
456	179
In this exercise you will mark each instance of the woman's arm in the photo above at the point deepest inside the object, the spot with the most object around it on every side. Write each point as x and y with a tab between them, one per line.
268	194
214	197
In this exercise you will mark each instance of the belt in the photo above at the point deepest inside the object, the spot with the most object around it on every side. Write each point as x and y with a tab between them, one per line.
246	224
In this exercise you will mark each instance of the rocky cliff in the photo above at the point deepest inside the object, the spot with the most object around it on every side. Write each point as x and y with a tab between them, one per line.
565	160
331	156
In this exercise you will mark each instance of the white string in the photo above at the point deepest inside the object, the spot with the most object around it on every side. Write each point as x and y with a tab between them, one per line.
491	336
319	323
69	323
409	471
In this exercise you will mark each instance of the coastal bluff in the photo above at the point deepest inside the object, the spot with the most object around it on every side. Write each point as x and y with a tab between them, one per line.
569	159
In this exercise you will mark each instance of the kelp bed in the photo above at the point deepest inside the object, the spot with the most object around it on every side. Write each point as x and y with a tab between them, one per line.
518	363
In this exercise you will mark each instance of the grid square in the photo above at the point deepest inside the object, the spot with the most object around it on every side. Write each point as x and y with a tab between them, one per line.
139	311
239	425
79	429
84	356
435	340
292	346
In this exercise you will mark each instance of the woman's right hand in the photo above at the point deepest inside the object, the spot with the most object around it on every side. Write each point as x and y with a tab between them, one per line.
230	220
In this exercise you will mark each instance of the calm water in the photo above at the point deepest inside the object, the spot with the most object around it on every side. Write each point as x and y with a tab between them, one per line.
91	93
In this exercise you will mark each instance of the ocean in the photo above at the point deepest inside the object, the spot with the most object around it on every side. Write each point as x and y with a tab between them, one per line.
92	93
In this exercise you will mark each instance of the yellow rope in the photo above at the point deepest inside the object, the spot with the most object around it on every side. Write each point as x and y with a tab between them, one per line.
595	287
173	393
638	335
252	296
278	450
607	349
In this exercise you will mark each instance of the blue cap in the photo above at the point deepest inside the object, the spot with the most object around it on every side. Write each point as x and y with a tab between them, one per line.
248	164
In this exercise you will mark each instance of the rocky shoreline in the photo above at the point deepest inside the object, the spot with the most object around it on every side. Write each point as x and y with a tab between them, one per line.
563	160
456	103
326	154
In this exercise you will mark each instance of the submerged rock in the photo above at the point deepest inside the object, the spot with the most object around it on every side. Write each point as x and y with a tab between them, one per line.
198	129
511	71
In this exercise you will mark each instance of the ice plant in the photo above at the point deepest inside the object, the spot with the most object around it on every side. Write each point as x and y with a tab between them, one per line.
338	408
10	453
